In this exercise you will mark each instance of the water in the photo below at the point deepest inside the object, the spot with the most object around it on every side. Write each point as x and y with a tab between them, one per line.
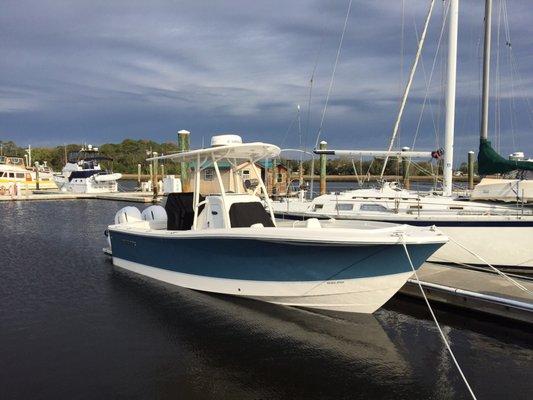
71	327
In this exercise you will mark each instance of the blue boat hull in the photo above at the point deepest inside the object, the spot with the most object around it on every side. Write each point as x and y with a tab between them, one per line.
307	275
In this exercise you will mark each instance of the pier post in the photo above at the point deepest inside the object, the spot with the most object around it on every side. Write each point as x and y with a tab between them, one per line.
323	160
406	163
155	180
151	172
470	170
36	175
274	175
139	175
184	145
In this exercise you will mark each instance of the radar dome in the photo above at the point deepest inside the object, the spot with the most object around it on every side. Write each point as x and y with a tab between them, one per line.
225	140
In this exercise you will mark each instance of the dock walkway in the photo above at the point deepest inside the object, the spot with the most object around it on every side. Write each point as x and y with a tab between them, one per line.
137	197
481	291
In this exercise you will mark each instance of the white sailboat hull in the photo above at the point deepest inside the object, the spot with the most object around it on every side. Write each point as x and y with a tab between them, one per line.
510	247
501	235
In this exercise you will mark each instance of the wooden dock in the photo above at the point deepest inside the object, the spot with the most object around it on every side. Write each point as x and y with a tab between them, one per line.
36	195
481	291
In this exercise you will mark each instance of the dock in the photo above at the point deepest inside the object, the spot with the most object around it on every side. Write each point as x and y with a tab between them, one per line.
36	195
480	291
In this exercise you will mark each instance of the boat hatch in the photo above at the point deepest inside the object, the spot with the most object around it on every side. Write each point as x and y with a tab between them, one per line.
373	207
344	207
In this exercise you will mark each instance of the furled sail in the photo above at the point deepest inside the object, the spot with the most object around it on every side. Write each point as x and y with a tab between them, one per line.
490	162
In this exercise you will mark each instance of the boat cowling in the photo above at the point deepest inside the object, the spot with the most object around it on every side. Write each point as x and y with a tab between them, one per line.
156	216
154	213
128	215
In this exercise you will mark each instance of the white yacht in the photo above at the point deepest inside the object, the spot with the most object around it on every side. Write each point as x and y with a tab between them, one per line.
227	242
84	174
501	235
13	171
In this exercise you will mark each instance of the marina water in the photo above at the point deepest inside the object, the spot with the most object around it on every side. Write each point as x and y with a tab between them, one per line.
72	327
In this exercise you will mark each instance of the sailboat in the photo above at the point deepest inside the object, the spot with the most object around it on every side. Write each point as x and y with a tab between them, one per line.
498	234
518	189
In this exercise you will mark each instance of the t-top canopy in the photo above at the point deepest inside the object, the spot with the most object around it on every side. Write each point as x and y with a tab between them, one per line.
247	151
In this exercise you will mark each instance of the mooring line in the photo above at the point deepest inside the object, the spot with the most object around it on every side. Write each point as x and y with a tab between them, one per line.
435	320
517	284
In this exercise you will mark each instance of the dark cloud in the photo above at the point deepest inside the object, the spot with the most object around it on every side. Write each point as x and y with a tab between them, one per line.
103	71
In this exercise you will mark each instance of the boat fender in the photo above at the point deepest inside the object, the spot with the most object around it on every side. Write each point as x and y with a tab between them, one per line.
127	215
154	213
313	223
108	237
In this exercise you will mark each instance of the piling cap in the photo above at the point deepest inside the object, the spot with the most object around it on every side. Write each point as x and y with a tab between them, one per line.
323	142
184	132
470	152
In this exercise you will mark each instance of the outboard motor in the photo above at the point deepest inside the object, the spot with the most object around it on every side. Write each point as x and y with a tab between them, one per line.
128	215
156	216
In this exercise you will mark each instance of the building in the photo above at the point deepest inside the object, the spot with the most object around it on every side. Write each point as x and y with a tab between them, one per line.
276	178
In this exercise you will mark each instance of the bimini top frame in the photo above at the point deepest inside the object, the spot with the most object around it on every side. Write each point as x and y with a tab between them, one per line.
207	158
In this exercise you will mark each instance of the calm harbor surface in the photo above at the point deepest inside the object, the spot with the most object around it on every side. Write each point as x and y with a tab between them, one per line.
72	327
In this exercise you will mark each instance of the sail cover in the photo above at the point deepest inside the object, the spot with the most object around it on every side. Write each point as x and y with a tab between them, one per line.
490	162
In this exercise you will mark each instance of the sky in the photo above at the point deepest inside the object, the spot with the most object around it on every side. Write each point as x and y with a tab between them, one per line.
102	71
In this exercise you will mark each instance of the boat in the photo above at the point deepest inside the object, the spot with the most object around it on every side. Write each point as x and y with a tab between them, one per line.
230	242
84	174
14	173
480	233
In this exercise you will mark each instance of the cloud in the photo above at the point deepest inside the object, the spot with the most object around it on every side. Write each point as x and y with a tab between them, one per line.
104	71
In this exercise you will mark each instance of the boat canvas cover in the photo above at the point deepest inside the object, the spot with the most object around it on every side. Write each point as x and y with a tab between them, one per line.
490	162
244	215
82	174
180	211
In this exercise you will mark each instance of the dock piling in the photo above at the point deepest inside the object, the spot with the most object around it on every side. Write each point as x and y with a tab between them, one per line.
183	145
470	170
36	174
406	164
323	160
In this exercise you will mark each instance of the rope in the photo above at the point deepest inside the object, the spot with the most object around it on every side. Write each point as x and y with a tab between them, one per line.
332	80
517	284
428	85
435	320
329	91
408	86
309	101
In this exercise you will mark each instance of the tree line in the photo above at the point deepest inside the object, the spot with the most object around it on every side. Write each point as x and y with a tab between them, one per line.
125	155
128	153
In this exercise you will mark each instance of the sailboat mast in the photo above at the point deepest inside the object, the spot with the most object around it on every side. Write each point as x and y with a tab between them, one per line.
450	96
486	72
